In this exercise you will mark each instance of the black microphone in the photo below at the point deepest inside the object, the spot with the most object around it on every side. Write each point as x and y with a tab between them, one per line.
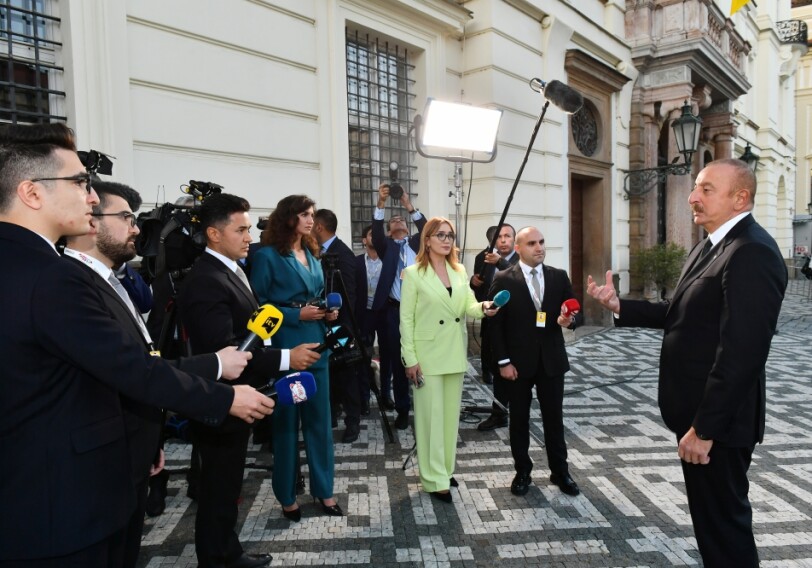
566	98
335	338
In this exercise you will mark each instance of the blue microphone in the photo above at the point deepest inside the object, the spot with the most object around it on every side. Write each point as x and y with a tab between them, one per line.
334	301
501	298
291	389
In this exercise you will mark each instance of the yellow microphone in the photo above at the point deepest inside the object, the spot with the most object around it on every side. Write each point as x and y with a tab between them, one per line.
264	322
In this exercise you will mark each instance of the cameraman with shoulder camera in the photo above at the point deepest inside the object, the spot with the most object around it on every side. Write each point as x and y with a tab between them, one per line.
397	251
338	264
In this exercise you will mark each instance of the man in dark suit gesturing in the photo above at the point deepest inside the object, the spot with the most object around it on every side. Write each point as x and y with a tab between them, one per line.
215	305
65	361
529	348
717	332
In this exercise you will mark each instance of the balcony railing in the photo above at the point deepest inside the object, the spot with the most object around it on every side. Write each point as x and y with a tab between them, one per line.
792	31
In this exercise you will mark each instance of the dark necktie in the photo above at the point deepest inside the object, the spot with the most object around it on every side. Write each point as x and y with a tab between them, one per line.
706	248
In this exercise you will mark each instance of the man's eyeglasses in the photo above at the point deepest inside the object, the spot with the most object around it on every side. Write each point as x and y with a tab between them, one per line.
82	180
126	215
445	236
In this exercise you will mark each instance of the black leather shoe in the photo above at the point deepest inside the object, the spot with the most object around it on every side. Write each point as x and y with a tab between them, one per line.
331	510
565	483
294	515
444	497
300	485
492	422
250	561
521	484
388	404
402	420
351	434
453	482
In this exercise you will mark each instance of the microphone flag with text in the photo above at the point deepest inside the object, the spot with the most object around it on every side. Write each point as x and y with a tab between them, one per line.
264	322
291	389
336	338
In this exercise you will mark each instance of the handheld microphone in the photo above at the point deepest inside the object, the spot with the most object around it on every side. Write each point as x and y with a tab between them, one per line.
334	301
566	98
570	306
335	338
501	298
291	389
264	322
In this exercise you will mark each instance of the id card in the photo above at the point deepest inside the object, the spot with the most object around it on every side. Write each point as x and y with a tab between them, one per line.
541	319
155	353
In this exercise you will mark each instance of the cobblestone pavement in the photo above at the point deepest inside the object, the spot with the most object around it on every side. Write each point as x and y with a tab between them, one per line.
632	511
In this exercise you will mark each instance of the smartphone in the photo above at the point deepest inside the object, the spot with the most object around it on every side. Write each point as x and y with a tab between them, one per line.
420	381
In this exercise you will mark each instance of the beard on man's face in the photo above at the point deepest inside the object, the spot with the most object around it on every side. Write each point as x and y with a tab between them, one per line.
117	252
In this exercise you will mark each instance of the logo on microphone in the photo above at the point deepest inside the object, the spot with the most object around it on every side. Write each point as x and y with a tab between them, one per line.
270	324
297	392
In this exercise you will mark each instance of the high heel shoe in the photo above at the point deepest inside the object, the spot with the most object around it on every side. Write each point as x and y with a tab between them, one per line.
331	510
294	515
444	497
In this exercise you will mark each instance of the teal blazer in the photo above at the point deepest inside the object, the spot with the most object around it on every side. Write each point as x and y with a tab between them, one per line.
432	323
281	280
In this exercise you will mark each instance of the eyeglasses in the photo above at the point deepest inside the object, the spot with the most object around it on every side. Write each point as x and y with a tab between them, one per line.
444	236
82	180
126	215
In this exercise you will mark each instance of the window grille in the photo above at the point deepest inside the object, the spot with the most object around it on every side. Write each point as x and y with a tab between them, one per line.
380	102
29	77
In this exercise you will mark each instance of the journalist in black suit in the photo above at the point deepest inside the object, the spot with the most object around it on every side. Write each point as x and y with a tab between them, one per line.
397	250
67	503
215	305
529	348
338	261
111	243
718	328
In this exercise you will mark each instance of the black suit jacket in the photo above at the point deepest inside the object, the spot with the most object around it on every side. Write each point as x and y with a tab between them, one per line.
488	271
388	251
717	333
346	264
143	422
65	483
215	307
513	330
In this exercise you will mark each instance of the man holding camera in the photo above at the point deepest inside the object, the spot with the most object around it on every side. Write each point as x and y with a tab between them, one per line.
338	263
397	251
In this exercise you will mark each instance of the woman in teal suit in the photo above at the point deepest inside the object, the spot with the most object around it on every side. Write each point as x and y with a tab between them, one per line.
435	299
287	273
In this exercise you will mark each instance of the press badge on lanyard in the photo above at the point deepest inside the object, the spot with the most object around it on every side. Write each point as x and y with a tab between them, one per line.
541	319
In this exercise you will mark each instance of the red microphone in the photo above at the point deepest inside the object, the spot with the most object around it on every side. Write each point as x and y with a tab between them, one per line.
570	306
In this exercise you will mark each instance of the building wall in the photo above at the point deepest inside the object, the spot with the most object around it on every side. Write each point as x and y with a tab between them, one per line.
803	180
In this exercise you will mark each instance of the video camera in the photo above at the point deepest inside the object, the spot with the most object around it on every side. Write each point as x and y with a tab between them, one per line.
170	238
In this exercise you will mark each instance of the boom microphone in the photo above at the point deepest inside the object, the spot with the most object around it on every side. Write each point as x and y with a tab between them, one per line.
333	301
264	322
501	298
566	98
291	389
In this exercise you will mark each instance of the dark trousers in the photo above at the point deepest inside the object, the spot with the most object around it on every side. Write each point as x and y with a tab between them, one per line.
374	324
132	535
500	387
550	393
344	384
720	508
105	554
222	456
400	385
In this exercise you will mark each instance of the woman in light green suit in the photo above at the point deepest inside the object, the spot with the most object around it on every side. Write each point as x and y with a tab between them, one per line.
435	299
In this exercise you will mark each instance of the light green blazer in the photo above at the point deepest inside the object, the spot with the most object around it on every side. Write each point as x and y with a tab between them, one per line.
432	323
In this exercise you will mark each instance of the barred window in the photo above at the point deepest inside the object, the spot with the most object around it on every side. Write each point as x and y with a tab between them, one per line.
30	80
380	105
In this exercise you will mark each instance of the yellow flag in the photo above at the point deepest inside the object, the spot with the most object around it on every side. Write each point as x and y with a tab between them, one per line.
737	5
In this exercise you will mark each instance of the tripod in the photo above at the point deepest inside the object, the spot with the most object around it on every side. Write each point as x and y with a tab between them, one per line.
336	282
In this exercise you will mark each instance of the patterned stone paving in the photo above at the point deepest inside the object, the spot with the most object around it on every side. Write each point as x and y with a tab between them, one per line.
632	512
